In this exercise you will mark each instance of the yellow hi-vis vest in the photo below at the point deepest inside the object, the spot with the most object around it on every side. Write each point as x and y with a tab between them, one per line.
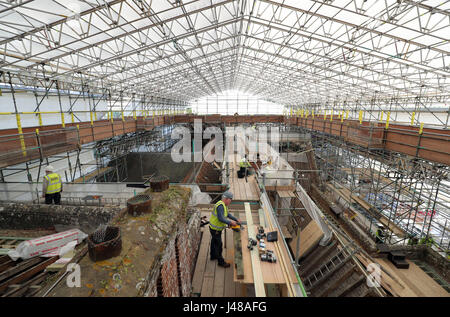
54	183
244	163
214	222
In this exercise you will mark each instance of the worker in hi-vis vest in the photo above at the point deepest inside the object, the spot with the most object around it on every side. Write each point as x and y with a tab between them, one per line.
245	166
51	186
380	235
217	222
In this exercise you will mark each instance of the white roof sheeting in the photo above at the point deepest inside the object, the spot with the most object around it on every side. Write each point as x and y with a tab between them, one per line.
289	52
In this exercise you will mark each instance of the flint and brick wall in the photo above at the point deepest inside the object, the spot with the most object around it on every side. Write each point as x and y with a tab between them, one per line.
29	216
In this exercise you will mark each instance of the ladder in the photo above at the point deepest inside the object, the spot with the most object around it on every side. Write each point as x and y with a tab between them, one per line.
326	270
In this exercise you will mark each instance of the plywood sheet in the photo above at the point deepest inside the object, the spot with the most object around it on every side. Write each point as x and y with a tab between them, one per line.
309	237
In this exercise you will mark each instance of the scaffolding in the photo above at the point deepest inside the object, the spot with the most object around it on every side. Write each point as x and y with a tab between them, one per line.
411	193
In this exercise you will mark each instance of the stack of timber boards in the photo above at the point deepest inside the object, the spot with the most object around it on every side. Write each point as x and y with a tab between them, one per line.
411	282
398	259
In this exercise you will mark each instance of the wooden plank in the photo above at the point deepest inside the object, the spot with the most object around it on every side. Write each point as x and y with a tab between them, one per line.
286	233
4	259
282	188
19	290
387	281
219	277
256	268
262	218
6	264
61	262
415	281
219	281
197	280
254	188
229	287
242	191
286	270
309	238
248	278
285	194
272	290
19	267
414	275
217	165
238	262
337	282
15	238
17	279
208	280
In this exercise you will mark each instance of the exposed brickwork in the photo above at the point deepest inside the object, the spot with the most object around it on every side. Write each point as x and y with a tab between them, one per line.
194	237
175	268
184	261
188	241
169	274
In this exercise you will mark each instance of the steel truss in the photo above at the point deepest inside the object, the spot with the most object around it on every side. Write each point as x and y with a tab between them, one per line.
314	52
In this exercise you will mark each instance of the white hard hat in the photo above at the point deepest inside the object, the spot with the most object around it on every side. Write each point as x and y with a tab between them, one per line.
49	168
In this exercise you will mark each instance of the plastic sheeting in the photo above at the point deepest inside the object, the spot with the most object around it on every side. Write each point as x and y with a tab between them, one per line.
47	246
315	213
197	196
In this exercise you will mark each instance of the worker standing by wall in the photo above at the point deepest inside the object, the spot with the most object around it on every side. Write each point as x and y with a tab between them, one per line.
217	222
51	186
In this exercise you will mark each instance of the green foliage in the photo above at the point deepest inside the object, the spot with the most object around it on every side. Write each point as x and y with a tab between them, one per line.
428	241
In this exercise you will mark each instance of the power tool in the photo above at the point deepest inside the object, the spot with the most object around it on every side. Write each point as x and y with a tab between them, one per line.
251	243
238	227
268	256
260	235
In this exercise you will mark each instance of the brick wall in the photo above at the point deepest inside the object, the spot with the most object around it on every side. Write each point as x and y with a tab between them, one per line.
184	262
194	236
188	242
169	271
171	276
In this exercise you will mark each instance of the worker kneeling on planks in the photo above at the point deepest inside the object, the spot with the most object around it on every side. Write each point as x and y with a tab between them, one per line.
217	222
